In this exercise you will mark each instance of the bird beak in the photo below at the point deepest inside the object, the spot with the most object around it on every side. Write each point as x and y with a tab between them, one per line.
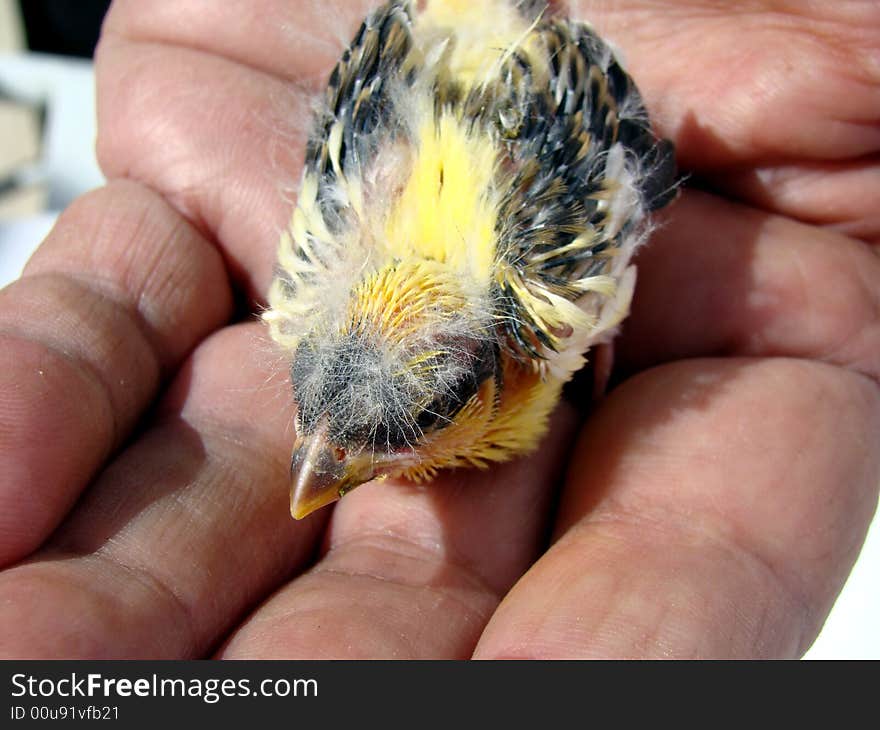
319	475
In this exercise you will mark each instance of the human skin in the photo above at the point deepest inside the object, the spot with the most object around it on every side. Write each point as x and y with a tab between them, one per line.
711	506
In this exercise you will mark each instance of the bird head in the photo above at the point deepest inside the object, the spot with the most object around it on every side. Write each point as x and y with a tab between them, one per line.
399	361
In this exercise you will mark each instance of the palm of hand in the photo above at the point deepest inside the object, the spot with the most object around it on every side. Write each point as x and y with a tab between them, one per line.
712	505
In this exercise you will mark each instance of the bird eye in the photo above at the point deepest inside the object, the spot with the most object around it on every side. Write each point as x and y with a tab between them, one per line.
482	363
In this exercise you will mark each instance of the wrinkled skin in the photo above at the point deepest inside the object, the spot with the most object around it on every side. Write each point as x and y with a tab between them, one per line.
713	505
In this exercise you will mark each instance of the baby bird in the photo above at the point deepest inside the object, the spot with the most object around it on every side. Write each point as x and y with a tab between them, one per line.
475	185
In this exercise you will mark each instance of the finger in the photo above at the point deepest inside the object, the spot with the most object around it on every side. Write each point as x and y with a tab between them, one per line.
181	535
842	196
295	41
223	143
414	572
713	509
110	303
719	278
754	69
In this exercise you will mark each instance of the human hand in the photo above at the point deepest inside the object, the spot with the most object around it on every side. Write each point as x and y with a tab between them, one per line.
712	505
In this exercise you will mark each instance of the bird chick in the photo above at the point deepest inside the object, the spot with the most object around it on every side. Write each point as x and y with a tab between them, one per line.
475	185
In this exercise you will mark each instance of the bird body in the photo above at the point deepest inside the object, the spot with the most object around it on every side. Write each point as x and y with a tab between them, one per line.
475	186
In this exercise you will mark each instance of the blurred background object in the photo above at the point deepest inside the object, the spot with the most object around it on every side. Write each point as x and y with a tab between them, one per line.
47	117
11	27
47	140
63	27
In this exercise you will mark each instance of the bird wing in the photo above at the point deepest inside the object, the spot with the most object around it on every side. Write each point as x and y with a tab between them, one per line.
353	122
583	167
359	106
